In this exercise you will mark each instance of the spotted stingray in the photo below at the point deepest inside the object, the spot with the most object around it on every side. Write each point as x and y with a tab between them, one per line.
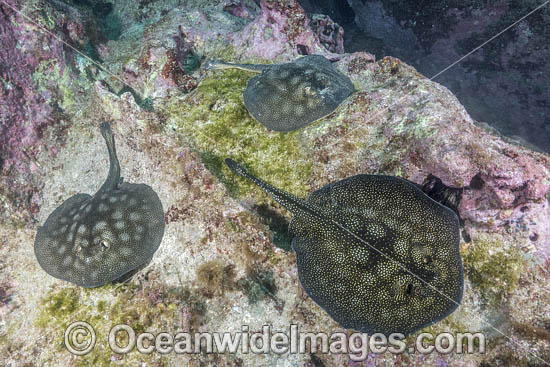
286	97
375	252
93	240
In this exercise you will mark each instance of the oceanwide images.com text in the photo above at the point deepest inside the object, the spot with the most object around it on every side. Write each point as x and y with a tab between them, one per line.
80	339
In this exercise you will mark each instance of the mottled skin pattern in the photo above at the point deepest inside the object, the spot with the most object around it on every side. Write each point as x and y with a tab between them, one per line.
93	240
286	97
358	243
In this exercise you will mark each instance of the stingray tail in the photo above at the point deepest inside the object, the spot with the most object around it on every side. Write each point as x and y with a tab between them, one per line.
113	178
290	202
221	65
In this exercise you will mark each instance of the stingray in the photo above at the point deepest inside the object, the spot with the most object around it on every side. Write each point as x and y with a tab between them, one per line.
286	97
93	240
375	252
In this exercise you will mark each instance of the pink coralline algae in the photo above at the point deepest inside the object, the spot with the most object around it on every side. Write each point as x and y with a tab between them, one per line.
281	30
26	111
330	34
181	61
20	120
416	128
509	192
241	9
506	185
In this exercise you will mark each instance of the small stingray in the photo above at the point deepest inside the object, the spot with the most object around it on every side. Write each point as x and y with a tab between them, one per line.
358	243
286	97
93	240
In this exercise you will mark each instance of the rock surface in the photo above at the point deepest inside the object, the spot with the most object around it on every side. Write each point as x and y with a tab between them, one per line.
225	261
503	83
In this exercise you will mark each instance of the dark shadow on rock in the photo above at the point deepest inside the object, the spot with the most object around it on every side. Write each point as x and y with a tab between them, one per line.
277	223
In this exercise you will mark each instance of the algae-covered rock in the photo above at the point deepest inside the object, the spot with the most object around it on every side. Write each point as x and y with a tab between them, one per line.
225	261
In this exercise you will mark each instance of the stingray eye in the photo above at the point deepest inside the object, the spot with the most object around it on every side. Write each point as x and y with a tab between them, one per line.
409	289
427	259
105	245
78	249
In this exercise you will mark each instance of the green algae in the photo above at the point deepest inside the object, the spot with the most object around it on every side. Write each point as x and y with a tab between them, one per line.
216	277
48	77
63	302
150	308
494	268
47	18
451	324
214	121
101	306
420	128
90	50
191	63
111	26
258	283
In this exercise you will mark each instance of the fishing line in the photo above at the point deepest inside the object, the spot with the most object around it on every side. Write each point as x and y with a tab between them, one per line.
71	47
385	109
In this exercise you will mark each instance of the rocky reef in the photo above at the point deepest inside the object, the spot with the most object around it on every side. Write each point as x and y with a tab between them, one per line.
503	83
225	259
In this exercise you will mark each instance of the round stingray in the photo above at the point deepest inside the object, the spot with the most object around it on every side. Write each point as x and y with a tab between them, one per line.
375	252
286	97
93	240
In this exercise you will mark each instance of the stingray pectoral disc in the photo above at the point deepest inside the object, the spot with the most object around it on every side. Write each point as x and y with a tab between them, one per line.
286	97
92	240
375	252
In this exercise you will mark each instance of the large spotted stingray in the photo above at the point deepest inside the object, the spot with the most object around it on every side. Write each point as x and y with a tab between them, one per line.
286	97
93	240
375	252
